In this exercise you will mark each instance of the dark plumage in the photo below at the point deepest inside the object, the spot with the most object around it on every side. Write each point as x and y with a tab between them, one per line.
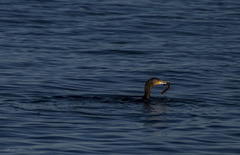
152	82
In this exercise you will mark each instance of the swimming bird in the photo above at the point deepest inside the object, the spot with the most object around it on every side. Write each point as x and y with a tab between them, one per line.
152	82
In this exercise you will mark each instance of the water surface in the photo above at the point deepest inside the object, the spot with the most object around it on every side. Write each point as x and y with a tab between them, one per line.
73	73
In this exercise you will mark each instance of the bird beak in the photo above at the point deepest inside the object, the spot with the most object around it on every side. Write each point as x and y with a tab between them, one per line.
162	82
167	83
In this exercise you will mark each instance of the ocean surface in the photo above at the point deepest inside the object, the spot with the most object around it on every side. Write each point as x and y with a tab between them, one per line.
72	75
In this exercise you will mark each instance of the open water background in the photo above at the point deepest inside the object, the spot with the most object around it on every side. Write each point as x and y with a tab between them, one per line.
72	75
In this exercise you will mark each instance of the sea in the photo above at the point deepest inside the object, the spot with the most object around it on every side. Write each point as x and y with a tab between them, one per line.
72	76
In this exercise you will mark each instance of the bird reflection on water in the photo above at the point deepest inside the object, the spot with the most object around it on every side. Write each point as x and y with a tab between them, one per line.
155	109
155	117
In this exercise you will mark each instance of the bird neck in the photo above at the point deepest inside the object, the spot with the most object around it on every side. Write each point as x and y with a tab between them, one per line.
147	91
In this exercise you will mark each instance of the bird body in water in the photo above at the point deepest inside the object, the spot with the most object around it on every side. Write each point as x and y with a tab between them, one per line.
152	82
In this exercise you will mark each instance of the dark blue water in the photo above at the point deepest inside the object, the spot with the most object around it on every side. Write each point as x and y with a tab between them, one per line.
72	75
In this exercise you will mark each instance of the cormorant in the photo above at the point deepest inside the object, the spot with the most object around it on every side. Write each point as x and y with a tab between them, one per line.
152	82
